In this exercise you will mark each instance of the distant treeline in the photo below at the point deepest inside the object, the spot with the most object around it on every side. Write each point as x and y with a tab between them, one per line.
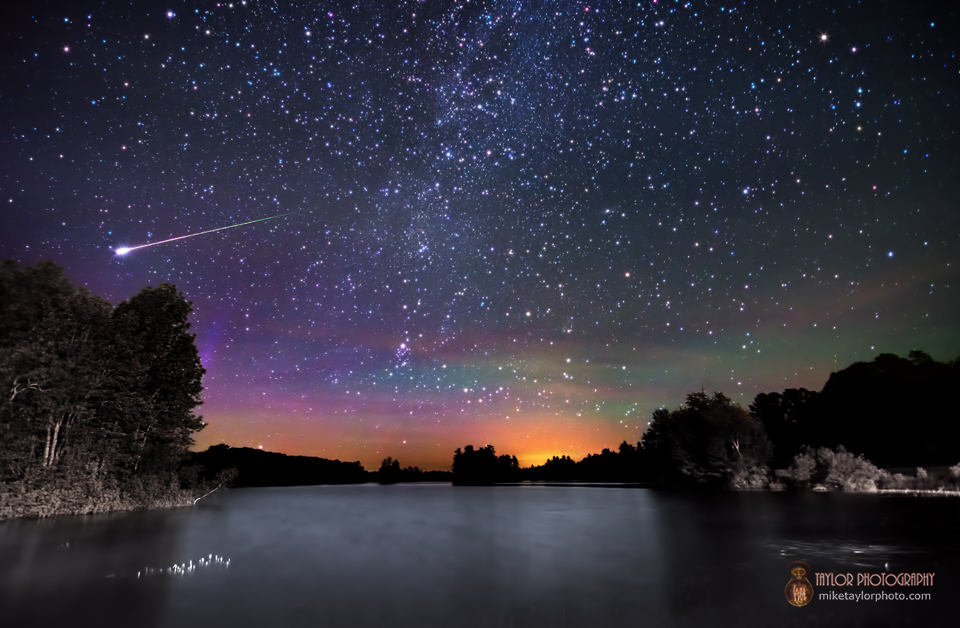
391	473
894	412
626	464
255	467
98	402
98	409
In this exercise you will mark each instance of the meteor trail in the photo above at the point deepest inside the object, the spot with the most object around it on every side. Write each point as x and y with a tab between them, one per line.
125	250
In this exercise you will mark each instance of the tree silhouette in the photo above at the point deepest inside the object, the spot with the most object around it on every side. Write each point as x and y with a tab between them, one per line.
156	319
895	411
628	464
561	468
708	441
58	376
94	398
389	471
789	419
482	466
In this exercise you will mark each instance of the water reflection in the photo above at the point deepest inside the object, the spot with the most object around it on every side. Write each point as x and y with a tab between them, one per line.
872	557
186	568
62	571
437	555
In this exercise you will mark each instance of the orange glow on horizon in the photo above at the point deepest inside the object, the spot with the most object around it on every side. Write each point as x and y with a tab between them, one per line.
415	442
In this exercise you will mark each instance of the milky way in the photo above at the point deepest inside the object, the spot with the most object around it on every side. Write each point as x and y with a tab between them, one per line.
521	224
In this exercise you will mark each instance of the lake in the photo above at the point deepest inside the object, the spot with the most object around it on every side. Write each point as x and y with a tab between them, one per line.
439	555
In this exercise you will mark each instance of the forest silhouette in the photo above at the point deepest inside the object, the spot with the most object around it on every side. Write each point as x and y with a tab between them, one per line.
894	412
99	412
794	439
99	401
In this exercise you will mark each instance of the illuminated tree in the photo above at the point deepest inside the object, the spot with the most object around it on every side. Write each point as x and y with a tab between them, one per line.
709	440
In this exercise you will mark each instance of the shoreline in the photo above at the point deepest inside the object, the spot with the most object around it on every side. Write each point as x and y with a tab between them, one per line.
921	492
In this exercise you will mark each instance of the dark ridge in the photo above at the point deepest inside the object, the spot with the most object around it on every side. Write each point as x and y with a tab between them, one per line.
264	468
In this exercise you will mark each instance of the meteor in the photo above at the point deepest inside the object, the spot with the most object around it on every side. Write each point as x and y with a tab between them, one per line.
126	249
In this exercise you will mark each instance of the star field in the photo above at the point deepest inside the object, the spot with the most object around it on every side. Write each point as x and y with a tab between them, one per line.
520	224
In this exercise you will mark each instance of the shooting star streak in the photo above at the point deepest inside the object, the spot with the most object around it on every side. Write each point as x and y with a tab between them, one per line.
125	250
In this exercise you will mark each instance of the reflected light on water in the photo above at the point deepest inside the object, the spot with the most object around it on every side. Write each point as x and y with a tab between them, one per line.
185	568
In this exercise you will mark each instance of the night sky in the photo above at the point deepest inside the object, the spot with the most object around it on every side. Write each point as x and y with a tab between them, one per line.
525	224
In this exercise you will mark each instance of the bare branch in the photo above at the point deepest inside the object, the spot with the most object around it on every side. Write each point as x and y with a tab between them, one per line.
16	388
219	486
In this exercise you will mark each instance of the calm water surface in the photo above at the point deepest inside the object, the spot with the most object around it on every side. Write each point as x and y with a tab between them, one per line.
438	555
